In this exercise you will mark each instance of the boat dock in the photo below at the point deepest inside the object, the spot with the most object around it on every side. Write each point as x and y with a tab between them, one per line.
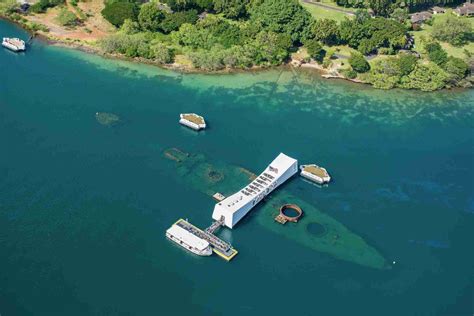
222	248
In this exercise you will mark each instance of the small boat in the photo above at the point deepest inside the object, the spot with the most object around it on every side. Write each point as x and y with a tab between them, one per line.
315	173
192	120
14	44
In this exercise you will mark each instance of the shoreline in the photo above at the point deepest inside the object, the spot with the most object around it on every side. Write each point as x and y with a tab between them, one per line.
85	47
90	49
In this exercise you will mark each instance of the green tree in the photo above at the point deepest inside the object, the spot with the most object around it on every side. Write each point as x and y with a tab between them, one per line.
453	30
272	47
205	4
283	17
117	12
150	17
130	27
315	50
326	31
67	18
380	7
406	63
361	15
400	15
173	21
368	46
232	9
436	53
358	63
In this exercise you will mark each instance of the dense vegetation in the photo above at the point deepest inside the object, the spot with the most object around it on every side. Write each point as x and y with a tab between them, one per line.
387	7
218	34
244	34
247	33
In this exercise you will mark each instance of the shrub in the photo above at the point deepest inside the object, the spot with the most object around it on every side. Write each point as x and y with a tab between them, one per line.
212	59
351	74
456	68
358	63
161	53
67	18
42	5
425	77
117	12
436	53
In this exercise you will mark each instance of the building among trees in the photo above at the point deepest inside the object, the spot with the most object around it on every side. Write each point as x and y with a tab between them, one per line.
467	9
420	17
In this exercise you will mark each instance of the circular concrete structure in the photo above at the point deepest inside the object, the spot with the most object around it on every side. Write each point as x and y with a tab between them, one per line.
294	208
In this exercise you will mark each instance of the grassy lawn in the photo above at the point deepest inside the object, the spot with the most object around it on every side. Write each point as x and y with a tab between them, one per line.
456	51
323	13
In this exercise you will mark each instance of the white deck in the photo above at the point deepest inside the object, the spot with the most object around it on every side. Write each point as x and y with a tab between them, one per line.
188	238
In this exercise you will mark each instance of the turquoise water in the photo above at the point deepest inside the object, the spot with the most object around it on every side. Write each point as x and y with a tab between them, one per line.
84	207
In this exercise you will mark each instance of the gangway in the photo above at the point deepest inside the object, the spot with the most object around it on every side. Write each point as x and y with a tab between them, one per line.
219	246
215	225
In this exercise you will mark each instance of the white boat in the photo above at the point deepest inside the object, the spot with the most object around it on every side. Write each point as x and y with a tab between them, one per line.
233	208
189	241
192	120
315	173
14	44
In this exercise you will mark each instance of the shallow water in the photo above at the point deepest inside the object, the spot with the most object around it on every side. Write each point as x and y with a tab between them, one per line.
84	207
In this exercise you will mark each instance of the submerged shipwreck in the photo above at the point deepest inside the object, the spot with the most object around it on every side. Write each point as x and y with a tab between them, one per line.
107	119
315	230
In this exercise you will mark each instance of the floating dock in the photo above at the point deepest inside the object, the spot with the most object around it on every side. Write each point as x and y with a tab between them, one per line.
315	173
218	196
193	121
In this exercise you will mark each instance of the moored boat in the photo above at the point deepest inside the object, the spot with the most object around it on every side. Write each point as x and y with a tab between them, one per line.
192	120
14	44
188	240
315	173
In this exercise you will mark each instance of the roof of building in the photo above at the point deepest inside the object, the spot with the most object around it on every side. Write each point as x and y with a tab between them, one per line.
187	237
276	168
438	9
420	16
466	8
